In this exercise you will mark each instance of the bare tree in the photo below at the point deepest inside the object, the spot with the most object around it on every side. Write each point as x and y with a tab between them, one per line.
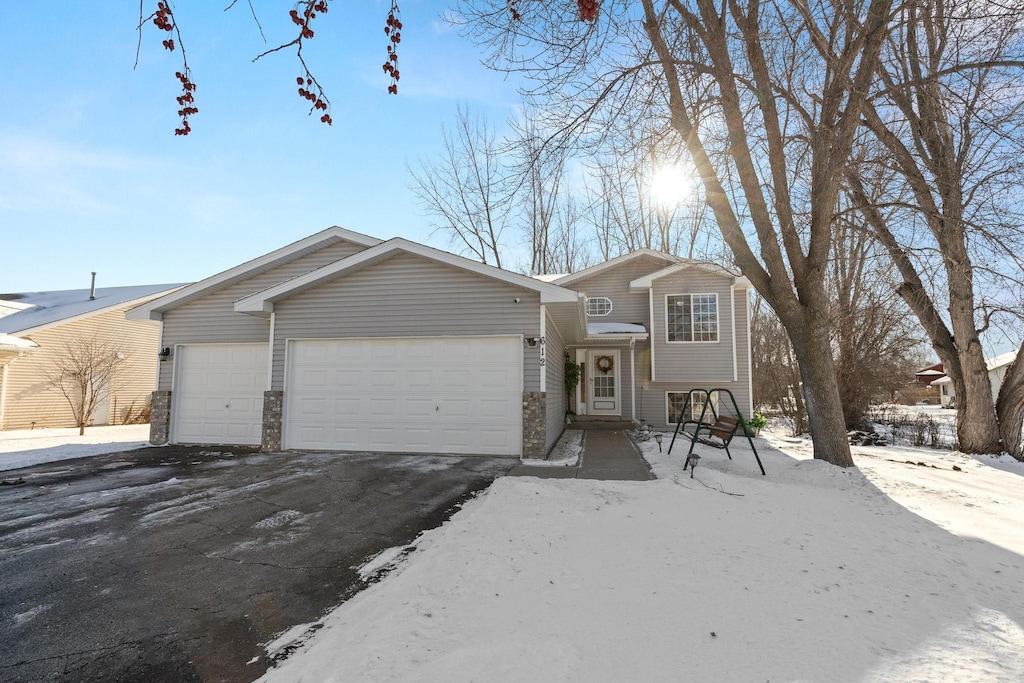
468	192
776	375
549	213
85	372
948	114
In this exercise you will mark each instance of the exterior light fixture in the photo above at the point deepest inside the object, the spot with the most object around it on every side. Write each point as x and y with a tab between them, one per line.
691	461
658	437
165	353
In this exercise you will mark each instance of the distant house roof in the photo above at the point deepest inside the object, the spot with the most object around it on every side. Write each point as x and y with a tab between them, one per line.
991	364
42	309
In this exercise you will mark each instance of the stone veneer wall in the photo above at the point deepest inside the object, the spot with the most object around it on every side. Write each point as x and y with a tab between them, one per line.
273	403
160	418
534	424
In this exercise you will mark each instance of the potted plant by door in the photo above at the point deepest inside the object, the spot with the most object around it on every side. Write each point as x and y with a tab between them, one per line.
572	380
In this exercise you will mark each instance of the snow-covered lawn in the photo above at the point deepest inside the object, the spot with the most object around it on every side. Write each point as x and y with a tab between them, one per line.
895	572
22	448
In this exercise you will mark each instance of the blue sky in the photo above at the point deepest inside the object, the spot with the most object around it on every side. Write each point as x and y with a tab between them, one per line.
92	176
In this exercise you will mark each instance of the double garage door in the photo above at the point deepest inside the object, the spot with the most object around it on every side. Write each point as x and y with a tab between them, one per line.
423	395
429	395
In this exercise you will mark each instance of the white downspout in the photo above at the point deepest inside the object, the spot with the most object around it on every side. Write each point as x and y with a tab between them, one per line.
732	315
632	378
750	366
3	392
270	356
650	298
543	349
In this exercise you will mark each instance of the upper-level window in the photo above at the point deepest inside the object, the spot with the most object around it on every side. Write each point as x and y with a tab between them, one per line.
692	317
599	305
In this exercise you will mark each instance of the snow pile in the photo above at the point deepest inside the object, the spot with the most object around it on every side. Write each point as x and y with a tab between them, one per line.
27	447
565	453
811	573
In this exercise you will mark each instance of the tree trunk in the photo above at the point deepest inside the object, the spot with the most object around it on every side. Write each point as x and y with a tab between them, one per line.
1010	407
820	389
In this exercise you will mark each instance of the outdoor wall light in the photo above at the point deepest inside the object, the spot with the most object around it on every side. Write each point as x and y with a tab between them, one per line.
532	341
165	353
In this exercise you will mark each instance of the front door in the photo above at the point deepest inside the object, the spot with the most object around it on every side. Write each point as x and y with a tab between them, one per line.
603	381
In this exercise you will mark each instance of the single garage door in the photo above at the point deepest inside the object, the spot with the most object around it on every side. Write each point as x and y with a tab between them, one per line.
424	395
218	393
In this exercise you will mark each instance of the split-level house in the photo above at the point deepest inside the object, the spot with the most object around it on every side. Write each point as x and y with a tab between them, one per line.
342	341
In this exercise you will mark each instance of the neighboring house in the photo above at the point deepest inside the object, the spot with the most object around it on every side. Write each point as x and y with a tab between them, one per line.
997	368
37	327
341	341
930	374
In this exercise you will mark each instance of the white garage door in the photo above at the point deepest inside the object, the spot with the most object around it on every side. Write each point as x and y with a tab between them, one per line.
218	393
431	395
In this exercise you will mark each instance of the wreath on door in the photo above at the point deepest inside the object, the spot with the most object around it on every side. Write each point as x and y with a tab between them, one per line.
604	364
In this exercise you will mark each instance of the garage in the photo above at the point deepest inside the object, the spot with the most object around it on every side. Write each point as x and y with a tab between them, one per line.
218	393
460	395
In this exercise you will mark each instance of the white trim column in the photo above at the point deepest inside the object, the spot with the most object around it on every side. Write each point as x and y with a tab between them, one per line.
542	350
732	317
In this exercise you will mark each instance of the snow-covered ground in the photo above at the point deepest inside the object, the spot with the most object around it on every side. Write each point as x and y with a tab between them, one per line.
894	572
22	448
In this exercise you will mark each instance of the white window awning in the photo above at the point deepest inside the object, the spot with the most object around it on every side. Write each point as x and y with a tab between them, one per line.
631	329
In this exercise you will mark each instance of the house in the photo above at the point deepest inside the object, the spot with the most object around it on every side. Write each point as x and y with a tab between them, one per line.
341	341
930	374
997	368
36	328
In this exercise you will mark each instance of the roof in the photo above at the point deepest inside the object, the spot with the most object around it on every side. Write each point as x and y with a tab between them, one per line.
154	310
595	329
262	302
8	342
618	260
48	308
991	364
647	281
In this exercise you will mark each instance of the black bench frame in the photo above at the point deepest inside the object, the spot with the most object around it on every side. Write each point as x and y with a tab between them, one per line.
723	428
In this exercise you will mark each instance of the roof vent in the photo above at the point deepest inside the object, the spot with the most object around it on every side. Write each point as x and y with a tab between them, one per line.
92	289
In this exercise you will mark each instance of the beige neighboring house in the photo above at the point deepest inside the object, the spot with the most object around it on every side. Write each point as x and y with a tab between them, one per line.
342	341
35	329
997	368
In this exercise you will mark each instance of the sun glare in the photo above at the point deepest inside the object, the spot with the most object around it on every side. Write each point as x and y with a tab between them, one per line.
671	186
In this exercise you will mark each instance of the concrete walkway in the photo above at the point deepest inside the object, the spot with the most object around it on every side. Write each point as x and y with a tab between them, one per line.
607	455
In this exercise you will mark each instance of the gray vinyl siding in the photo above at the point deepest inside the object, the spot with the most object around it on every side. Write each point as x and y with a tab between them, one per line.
694	361
31	399
555	384
613	283
212	318
408	296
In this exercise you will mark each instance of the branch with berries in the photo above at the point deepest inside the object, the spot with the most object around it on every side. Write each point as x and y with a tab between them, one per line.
163	19
302	15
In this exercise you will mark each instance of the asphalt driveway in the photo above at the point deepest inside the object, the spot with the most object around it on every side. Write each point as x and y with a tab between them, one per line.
177	563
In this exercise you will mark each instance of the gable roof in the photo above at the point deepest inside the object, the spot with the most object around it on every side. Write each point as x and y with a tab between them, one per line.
617	261
155	309
262	303
46	309
647	281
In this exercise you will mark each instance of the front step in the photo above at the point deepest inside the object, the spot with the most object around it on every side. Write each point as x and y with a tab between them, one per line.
613	424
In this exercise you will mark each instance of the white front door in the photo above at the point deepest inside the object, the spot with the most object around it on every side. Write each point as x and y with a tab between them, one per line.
603	382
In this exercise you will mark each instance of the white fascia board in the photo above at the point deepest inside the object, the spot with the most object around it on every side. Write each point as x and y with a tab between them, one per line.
155	309
611	263
642	284
262	302
616	337
142	300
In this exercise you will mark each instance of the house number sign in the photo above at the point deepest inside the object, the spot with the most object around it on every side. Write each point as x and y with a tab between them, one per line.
543	351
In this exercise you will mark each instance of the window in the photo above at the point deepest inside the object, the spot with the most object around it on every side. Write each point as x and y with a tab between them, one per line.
675	401
599	305
692	317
